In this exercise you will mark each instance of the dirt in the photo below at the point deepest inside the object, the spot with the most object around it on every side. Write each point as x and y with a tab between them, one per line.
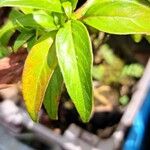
11	67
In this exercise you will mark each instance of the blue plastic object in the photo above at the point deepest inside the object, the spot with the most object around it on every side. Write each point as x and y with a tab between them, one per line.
136	136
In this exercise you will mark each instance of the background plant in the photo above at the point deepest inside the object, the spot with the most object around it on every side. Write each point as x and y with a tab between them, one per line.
60	48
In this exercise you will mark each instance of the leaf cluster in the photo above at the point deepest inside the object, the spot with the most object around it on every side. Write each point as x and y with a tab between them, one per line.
60	48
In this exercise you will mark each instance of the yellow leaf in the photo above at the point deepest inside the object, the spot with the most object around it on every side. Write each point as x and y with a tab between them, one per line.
38	69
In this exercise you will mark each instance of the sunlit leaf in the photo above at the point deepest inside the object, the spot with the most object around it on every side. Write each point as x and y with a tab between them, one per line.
38	69
119	16
67	9
74	55
73	2
44	20
38	19
49	5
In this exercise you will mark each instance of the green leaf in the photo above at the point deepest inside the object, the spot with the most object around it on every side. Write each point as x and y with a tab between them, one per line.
22	22
49	5
73	2
21	39
15	14
44	20
31	43
38	69
67	8
6	32
4	51
38	19
119	16
52	95
148	38
74	53
137	37
26	10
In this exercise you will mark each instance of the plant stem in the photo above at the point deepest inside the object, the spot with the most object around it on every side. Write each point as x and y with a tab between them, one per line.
79	13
